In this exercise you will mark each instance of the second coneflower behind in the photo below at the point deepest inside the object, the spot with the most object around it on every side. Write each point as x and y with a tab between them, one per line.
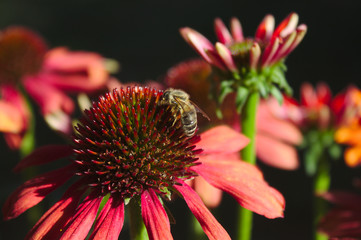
130	149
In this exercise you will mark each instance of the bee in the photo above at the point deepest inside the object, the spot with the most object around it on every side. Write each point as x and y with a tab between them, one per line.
180	103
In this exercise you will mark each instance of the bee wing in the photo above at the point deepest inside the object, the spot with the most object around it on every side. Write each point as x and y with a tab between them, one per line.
200	111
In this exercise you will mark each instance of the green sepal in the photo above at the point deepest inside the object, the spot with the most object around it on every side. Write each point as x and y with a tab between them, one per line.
277	94
241	97
312	156
225	89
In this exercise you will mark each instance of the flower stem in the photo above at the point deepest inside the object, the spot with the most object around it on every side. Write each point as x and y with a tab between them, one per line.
248	124
137	227
321	184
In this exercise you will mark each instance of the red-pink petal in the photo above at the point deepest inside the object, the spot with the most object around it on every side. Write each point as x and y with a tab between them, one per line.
222	32
284	47
276	153
154	216
222	139
83	219
202	45
44	154
74	70
245	183
110	221
226	56
265	29
209	224
270	51
287	26
255	54
11	120
210	195
301	32
48	97
52	222
33	191
342	198
236	29
308	95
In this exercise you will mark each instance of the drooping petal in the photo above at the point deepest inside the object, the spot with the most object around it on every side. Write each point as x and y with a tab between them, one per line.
276	153
110	221
154	216
33	191
222	32
236	29
74	70
209	224
222	139
226	56
245	183
210	195
265	29
202	45
52	222
44	154
83	219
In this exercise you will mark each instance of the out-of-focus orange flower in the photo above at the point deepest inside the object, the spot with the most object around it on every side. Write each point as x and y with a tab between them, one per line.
350	130
26	65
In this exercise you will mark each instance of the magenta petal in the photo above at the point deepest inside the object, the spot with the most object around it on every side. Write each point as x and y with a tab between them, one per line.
44	155
210	225
154	216
83	219
33	191
222	139
50	224
110	221
222	32
245	183
276	153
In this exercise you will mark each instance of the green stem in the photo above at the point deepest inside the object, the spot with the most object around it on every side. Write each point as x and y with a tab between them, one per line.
321	183
248	124
137	227
198	233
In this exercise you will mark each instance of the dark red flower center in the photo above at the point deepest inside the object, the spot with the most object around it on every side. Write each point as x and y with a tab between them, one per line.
128	142
21	53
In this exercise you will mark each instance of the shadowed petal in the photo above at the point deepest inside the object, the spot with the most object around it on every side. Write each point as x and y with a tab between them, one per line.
276	153
245	183
154	216
33	191
222	32
50	224
210	225
110	221
222	139
44	154
210	195
83	219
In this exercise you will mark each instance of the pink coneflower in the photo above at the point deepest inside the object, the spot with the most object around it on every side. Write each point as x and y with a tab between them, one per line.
27	67
129	147
246	65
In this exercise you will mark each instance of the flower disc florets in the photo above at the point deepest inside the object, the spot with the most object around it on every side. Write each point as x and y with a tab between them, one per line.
21	53
127	143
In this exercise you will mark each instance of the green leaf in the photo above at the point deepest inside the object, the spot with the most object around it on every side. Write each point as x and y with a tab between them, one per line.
335	151
241	97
